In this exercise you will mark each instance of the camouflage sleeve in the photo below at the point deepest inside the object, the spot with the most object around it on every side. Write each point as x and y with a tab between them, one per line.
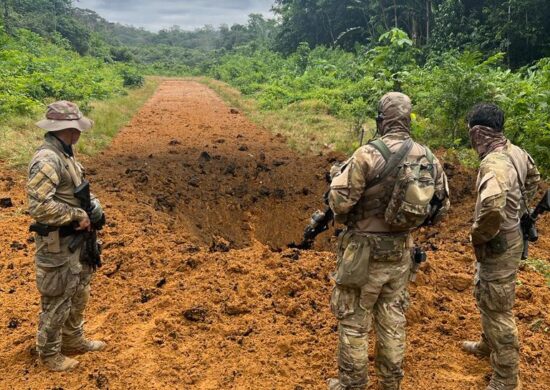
532	180
441	192
492	192
41	185
348	186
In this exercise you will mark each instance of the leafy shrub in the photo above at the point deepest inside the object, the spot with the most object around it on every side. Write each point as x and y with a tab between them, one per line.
131	78
34	71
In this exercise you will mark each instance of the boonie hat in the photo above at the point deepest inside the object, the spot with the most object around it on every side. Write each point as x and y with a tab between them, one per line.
63	115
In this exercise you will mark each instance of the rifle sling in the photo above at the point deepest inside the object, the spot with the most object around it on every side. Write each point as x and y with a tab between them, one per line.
393	160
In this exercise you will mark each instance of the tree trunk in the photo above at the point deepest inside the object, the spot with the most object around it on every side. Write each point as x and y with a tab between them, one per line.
395	14
508	32
428	12
6	16
417	40
383	12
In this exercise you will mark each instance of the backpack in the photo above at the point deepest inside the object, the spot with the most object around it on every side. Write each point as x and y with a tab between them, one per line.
414	187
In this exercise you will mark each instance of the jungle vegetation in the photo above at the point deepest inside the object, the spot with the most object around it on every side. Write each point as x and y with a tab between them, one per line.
334	57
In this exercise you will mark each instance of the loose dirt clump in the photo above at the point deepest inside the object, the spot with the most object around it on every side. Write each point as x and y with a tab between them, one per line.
199	291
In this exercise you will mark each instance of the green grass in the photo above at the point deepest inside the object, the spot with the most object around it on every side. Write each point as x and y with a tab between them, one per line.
306	125
19	137
541	266
111	115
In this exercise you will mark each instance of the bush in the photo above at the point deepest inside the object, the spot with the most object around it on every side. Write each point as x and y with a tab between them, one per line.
34	71
131	78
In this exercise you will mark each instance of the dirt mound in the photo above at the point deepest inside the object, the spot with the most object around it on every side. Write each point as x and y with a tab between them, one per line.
198	290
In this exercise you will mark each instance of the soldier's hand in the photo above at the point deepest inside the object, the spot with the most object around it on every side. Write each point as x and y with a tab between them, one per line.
97	212
84	224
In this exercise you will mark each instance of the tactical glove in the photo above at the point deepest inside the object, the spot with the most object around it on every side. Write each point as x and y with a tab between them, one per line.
97	212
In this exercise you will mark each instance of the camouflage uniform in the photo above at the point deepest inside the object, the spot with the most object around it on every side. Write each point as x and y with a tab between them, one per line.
377	287
503	174
62	280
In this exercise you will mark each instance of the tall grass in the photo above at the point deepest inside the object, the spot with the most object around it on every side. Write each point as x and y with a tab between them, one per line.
111	115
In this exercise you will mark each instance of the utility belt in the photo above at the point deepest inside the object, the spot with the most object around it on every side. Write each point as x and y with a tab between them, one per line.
356	250
45	230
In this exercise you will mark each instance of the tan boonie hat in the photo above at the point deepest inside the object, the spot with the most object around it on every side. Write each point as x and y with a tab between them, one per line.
64	115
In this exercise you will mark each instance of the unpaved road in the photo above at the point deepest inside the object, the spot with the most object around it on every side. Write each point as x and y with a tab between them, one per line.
198	292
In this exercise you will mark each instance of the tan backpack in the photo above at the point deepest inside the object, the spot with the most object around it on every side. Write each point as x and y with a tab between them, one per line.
414	187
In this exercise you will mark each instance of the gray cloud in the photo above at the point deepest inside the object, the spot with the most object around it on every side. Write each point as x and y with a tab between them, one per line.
189	14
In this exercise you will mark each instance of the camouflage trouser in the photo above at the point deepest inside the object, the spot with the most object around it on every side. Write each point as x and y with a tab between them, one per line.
64	286
495	285
384	264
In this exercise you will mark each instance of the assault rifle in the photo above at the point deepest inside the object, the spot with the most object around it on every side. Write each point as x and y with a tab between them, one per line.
92	249
436	204
318	223
529	220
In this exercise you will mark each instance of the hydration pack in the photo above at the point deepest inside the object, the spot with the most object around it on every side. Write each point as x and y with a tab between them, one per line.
414	186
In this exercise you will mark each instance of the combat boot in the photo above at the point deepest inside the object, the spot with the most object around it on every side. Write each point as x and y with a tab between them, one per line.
478	348
496	384
334	384
59	362
83	346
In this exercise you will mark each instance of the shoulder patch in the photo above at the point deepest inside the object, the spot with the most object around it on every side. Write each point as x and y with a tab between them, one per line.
41	171
42	181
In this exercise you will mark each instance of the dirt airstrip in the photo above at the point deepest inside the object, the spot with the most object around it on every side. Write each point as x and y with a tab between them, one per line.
198	290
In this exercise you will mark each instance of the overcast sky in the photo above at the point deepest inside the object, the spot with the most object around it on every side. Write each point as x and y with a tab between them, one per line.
154	15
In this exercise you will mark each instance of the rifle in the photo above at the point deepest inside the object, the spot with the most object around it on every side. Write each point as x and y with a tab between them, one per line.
318	223
436	204
529	220
41	229
92	249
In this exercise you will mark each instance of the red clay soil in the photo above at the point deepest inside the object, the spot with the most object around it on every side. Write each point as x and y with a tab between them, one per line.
198	290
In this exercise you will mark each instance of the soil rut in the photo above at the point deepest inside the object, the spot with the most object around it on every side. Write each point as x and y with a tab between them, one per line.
198	290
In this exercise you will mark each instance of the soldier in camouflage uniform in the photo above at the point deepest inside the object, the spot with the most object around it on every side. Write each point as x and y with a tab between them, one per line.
62	279
507	181
380	291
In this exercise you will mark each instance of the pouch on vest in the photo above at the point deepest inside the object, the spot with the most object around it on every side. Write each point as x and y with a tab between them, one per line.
388	248
414	188
52	242
354	254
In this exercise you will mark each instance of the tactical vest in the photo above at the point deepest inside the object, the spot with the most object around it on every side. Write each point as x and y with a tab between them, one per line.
69	171
377	195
